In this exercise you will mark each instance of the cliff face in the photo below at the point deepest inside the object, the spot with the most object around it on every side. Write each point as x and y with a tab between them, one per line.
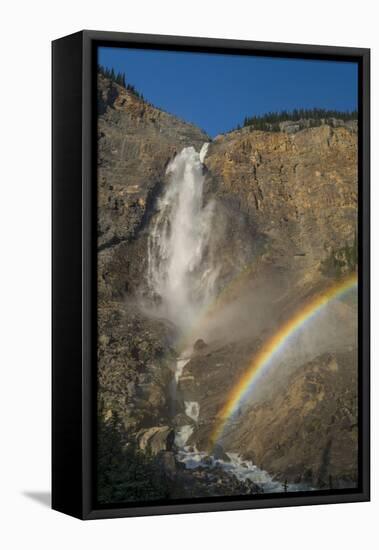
299	190
285	205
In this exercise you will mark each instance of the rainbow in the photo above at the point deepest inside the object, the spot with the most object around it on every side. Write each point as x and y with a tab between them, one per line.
272	348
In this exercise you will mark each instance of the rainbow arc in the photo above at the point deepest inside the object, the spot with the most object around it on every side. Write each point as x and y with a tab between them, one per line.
272	348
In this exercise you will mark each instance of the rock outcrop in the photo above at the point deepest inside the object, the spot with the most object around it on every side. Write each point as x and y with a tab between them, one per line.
157	439
134	367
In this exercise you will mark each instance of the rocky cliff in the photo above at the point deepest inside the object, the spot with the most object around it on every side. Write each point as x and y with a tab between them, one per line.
285	216
298	190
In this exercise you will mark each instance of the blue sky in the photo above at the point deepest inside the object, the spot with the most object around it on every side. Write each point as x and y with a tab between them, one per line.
216	92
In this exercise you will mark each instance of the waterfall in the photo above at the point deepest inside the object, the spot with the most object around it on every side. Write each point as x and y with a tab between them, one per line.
182	276
181	269
192	410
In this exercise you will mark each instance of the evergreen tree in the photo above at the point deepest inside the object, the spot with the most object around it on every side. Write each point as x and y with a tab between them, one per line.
315	117
124	472
119	78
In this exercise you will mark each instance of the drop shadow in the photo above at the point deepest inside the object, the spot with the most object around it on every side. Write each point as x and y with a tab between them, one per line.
41	497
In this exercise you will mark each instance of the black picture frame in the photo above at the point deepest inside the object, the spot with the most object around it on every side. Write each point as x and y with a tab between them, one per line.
74	270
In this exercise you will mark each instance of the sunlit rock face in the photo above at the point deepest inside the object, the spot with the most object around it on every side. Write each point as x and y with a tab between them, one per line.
299	189
202	252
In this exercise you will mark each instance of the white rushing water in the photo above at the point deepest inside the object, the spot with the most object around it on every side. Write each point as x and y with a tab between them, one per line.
192	409
236	466
180	364
182	435
181	270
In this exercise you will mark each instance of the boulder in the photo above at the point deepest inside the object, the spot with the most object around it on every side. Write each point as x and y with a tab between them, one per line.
199	345
156	439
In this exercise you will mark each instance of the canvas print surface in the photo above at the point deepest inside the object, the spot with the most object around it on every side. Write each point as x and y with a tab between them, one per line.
227	192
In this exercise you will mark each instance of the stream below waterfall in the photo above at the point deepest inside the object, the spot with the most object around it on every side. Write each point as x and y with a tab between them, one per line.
236	466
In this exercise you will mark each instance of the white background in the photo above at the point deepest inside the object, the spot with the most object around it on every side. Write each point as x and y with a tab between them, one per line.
26	31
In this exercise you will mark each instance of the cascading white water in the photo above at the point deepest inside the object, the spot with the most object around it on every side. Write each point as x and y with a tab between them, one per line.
180	364
182	435
192	409
181	270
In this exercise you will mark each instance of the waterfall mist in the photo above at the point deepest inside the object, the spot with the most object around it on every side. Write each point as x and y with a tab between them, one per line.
181	269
